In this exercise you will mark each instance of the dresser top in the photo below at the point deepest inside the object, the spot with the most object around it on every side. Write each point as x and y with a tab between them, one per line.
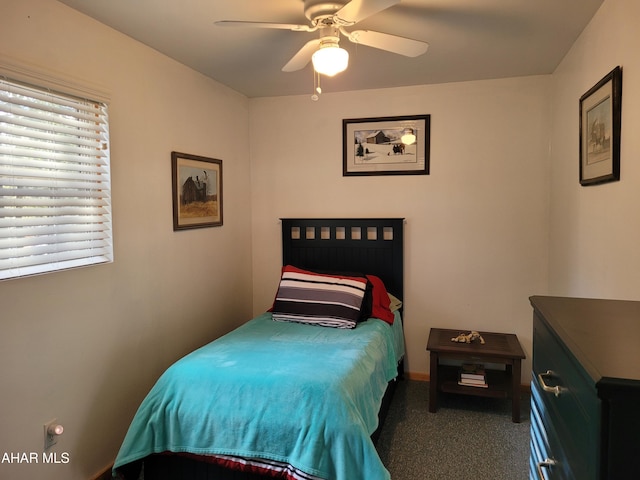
603	335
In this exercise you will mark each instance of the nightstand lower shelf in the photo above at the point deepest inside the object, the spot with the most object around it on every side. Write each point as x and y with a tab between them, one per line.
499	383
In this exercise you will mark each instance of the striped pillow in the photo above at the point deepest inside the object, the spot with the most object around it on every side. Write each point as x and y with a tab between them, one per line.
318	299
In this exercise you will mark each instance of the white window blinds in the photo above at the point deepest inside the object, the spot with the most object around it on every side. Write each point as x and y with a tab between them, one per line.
55	193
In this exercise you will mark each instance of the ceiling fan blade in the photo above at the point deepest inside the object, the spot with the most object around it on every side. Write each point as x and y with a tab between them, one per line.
302	58
392	43
357	10
281	26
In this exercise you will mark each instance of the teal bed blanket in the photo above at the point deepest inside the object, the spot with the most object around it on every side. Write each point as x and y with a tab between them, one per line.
303	395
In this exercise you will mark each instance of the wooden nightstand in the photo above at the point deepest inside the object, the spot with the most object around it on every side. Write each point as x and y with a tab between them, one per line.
499	348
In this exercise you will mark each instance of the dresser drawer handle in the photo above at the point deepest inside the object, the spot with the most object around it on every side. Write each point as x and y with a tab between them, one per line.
545	463
555	390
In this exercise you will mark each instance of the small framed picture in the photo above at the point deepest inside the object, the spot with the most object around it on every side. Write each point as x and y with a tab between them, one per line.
386	145
197	191
600	117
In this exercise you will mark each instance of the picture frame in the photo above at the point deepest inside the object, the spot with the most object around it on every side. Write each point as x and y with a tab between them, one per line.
197	191
600	124
375	146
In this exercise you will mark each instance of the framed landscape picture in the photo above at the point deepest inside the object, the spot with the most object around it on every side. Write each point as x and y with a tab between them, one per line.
197	191
600	118
386	145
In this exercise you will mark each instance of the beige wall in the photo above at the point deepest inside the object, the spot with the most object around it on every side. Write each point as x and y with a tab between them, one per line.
84	346
476	227
595	231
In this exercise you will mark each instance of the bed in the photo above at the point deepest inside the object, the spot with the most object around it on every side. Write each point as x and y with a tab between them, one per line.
298	392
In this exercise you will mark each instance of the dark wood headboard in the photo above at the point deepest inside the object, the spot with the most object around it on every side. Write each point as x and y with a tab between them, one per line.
371	246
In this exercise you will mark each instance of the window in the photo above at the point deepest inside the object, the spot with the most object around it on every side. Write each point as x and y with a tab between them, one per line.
55	193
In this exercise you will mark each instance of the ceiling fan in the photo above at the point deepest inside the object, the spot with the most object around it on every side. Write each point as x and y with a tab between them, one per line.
331	18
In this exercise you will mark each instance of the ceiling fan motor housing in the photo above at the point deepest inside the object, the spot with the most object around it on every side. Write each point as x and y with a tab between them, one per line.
317	10
329	35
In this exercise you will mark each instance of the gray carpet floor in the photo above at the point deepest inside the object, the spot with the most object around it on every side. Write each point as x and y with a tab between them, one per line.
467	438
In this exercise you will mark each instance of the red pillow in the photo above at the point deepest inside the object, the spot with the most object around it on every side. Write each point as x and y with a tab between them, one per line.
381	301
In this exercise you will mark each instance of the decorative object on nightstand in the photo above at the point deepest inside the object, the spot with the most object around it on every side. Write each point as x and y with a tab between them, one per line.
468	337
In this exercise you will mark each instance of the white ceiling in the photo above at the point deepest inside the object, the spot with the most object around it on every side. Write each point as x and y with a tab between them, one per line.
469	40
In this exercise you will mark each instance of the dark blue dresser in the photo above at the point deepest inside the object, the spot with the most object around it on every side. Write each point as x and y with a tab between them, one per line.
585	389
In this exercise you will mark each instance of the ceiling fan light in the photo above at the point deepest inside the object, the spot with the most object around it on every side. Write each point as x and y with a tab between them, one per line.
408	136
330	60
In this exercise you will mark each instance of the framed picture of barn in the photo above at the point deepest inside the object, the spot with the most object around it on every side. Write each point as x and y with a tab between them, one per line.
600	118
386	145
197	191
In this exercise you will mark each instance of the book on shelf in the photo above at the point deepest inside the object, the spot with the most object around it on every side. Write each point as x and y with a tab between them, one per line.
466	383
473	375
469	371
473	381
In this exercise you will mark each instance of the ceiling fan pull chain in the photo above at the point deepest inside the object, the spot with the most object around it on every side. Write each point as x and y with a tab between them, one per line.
316	86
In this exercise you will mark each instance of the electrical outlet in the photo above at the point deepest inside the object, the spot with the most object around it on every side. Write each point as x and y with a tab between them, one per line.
50	439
